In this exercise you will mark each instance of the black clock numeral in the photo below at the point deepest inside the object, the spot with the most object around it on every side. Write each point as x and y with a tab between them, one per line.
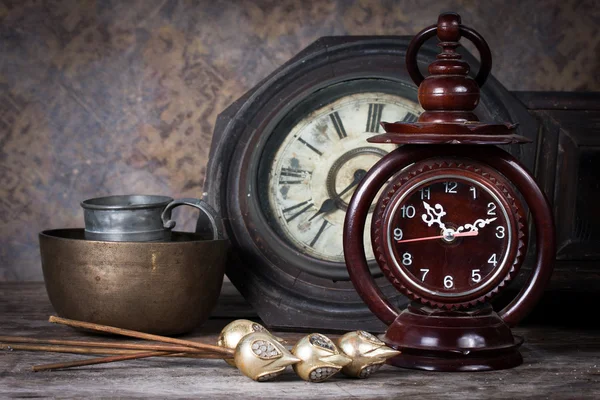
295	206
337	124
299	174
410	117
310	146
294	173
321	229
374	117
309	205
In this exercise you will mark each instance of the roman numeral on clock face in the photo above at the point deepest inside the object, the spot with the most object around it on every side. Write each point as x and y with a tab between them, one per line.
337	124
410	117
296	213
289	182
292	176
310	146
321	229
294	172
374	117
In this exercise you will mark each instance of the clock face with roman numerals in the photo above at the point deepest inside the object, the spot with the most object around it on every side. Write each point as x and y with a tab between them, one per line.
309	176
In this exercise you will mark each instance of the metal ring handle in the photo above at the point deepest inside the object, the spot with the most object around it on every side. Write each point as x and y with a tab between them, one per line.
415	44
214	219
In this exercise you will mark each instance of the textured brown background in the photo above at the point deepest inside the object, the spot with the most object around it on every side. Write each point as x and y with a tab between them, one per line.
100	97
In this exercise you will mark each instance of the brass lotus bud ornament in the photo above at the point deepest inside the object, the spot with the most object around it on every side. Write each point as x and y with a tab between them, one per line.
233	332
320	358
368	353
261	357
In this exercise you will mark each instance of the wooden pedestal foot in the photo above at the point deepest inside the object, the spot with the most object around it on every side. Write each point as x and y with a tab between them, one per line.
438	340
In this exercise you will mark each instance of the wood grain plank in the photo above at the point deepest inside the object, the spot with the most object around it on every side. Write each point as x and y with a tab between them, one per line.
559	363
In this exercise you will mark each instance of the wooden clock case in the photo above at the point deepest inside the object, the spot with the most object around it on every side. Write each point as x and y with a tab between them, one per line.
445	330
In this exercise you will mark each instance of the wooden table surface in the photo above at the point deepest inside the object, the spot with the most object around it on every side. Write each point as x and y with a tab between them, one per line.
559	363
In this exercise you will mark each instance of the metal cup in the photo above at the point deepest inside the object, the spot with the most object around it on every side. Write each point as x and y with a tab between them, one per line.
139	218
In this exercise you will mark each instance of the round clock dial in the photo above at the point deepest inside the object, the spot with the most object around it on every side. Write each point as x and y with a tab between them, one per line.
453	232
314	163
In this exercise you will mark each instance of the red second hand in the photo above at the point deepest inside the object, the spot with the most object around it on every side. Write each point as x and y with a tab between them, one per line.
459	234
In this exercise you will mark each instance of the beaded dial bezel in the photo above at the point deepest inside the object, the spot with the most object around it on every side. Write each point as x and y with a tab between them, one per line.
406	182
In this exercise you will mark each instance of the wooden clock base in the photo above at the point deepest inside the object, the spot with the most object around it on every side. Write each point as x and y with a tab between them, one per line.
439	340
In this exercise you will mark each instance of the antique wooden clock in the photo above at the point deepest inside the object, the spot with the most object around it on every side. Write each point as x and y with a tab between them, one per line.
287	157
449	229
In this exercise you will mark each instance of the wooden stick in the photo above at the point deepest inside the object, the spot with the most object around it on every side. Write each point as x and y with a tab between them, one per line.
93	361
82	343
140	335
99	350
65	349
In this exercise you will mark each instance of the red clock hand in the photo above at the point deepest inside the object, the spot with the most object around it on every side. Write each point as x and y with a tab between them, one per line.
458	234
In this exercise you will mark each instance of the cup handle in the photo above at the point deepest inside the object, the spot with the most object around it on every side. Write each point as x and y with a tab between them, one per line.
211	214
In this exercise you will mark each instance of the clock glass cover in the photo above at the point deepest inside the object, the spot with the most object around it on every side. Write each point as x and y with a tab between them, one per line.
452	229
430	223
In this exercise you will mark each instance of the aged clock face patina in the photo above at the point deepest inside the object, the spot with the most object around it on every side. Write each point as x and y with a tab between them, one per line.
312	171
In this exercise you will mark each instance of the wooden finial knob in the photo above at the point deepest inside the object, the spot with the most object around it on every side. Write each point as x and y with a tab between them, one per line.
448	27
448	94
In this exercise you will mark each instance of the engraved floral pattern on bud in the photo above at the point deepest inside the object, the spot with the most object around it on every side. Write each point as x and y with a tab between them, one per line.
316	339
268	377
233	332
369	370
265	350
320	358
370	337
321	374
367	352
261	357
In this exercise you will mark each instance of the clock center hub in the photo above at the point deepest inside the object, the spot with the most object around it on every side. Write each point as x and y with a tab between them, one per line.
347	168
448	235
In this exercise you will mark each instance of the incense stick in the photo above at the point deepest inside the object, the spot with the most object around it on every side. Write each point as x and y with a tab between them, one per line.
99	350
94	361
82	343
140	335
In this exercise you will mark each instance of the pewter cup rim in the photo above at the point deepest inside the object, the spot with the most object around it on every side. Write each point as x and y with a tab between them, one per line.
103	203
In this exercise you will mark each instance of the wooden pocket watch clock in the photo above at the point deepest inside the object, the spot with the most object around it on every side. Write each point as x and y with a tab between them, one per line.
449	227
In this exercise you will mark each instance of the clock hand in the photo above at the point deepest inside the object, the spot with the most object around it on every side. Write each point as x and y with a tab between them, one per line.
326	207
434	214
474	227
473	233
329	204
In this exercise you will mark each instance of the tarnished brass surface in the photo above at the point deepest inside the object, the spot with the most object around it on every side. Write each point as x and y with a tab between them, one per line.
368	353
261	357
156	287
321	359
234	331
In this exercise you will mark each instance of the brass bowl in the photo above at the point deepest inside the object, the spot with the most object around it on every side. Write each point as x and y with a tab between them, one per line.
165	288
